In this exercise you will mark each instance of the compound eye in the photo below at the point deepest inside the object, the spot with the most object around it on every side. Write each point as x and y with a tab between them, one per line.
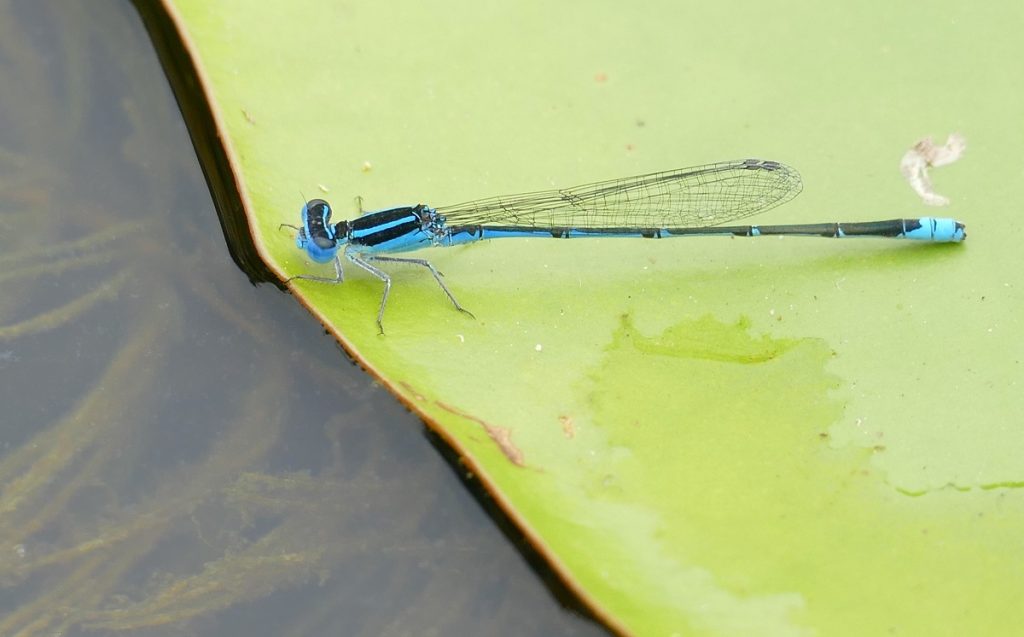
324	242
320	209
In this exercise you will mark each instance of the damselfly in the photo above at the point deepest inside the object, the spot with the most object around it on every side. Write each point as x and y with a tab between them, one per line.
677	203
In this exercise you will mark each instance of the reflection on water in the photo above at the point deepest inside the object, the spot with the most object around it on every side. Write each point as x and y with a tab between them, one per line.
183	453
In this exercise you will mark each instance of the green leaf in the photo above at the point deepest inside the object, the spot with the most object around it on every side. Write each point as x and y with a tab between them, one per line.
704	436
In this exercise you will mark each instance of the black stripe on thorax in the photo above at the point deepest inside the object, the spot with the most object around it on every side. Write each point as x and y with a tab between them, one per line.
386	225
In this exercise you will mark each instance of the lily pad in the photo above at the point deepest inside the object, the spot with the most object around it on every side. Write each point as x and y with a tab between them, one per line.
703	436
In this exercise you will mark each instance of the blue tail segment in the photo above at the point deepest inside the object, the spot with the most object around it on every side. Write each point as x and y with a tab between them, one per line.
940	229
693	201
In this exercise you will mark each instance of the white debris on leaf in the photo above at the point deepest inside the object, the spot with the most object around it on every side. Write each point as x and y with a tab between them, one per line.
924	155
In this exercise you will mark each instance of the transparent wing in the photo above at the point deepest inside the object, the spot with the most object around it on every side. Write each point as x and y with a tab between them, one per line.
688	197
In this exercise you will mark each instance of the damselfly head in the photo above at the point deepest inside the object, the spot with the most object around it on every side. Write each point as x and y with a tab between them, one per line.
317	236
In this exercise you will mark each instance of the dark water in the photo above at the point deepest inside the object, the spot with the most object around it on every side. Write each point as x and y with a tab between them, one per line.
183	452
